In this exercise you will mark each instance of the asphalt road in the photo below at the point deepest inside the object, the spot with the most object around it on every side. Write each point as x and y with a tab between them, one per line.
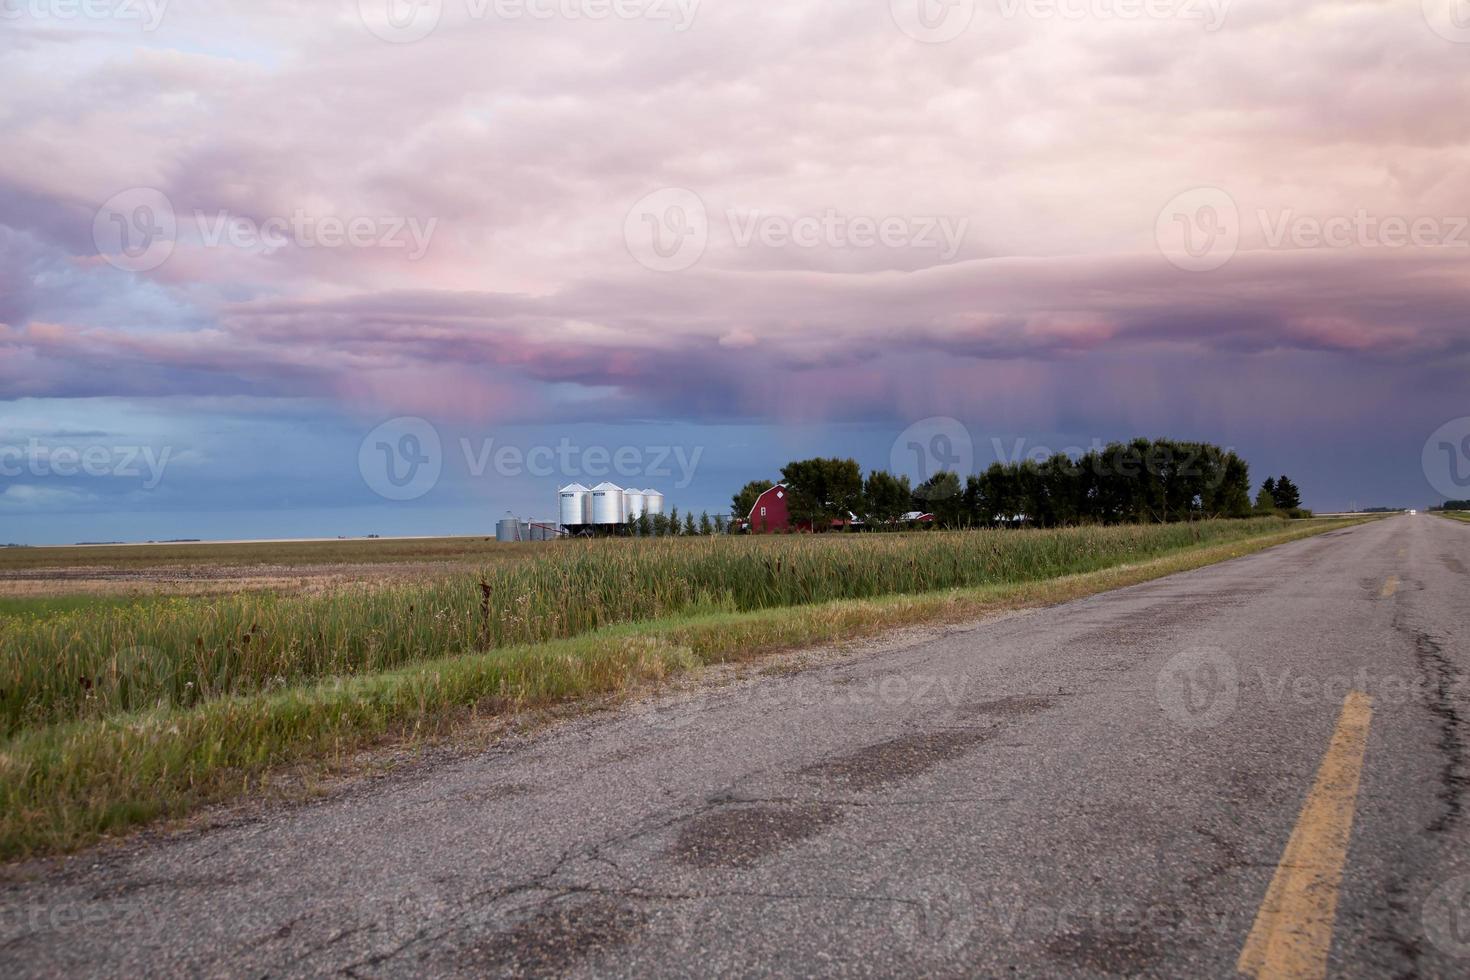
1104	787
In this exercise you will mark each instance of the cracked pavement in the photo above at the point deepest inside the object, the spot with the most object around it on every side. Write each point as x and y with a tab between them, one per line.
1098	788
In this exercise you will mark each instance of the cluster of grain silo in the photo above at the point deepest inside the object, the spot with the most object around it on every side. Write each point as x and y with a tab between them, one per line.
510	528
604	506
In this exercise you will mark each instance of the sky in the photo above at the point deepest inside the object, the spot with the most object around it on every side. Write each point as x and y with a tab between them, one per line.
274	269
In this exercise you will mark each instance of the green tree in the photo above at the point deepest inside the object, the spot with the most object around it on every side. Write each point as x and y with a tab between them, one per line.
645	525
720	524
1288	497
822	490
742	502
689	527
1268	491
942	496
885	497
1229	494
706	527
673	520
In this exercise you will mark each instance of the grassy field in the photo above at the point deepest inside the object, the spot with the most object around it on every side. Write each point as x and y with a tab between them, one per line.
245	553
117	715
1456	515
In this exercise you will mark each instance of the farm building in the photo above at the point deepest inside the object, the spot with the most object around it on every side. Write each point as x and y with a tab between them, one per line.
771	515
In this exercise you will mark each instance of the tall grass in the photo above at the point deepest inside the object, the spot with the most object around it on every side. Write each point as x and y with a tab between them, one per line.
182	652
62	785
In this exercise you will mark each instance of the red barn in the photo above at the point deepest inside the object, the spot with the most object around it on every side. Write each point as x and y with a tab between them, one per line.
769	515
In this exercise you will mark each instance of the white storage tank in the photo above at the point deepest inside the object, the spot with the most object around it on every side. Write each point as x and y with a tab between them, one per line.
653	502
576	505
633	503
509	529
607	504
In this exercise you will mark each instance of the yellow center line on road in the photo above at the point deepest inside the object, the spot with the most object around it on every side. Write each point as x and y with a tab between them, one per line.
1293	930
1390	587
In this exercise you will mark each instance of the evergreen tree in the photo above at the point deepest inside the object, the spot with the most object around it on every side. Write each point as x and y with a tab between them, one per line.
689	527
673	520
1288	497
705	527
1269	489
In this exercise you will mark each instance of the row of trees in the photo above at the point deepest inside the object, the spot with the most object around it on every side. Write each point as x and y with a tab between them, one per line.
1279	494
1143	481
670	525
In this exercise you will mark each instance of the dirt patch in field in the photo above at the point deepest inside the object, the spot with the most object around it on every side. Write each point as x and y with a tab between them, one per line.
212	579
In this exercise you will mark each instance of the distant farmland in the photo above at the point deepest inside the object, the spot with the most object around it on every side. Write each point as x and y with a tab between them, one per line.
119	711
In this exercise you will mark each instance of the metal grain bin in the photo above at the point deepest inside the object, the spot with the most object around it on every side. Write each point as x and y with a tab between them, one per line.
607	504
576	505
